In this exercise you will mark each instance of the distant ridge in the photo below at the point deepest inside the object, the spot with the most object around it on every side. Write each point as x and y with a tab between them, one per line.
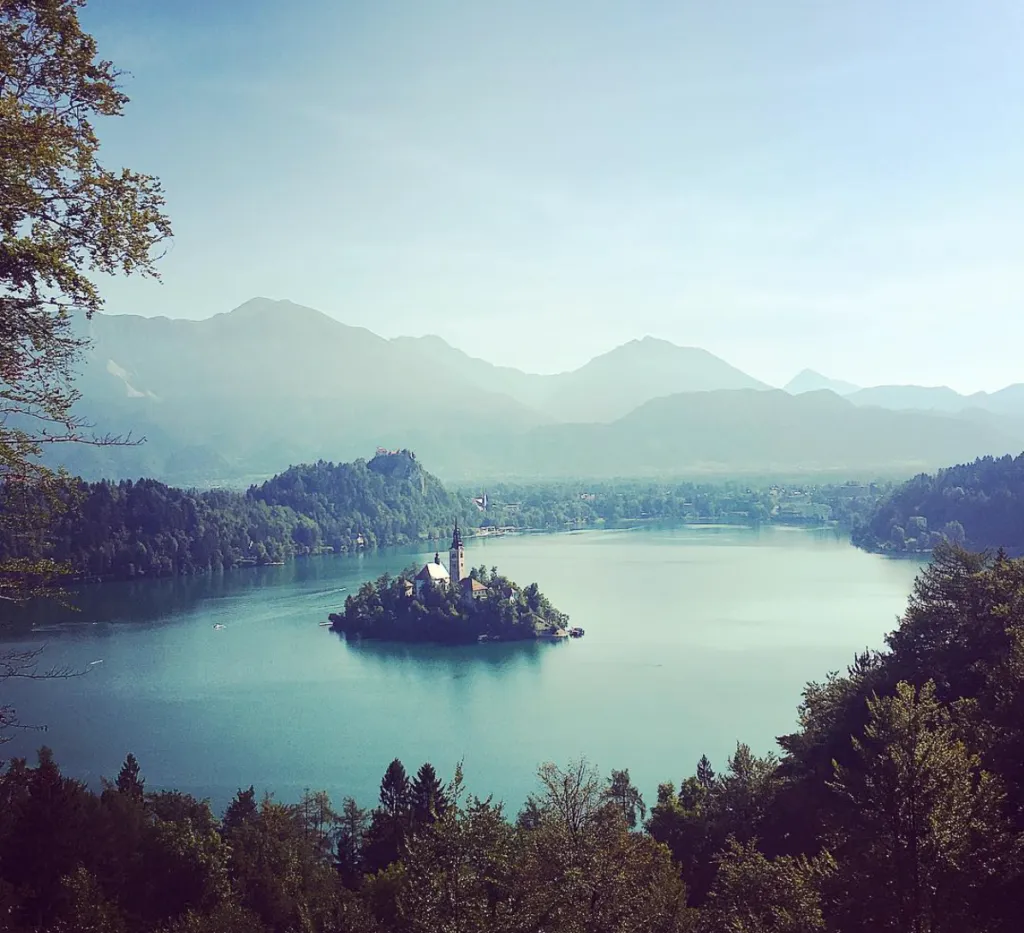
808	380
236	397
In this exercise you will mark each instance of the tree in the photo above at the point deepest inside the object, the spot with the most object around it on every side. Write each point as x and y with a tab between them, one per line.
705	773
625	798
63	215
390	822
427	795
242	809
319	820
352	826
394	791
128	780
926	834
753	894
582	869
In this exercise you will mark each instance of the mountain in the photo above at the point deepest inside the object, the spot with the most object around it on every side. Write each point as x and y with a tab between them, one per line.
606	388
808	380
267	384
241	395
922	398
613	384
237	397
1008	402
745	431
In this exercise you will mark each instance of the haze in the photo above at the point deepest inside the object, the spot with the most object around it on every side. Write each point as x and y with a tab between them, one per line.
835	185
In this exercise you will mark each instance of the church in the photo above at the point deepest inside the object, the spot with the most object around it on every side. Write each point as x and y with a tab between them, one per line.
435	573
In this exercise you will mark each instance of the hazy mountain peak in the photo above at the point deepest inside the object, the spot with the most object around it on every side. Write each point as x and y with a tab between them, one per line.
259	308
809	380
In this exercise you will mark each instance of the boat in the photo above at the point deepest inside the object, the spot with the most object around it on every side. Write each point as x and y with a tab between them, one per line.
218	627
324	624
576	632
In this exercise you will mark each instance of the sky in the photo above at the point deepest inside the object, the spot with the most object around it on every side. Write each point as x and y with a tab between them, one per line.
834	184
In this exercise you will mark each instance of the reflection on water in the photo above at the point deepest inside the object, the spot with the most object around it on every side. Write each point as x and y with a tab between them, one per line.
456	658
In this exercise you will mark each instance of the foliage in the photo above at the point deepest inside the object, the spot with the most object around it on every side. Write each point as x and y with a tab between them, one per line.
397	609
63	217
144	528
572	505
389	500
979	504
898	805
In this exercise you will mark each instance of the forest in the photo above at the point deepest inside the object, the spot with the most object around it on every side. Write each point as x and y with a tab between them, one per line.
391	608
898	804
128	529
123	530
549	506
979	505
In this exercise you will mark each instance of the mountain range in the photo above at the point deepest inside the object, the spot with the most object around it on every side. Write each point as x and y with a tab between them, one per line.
242	395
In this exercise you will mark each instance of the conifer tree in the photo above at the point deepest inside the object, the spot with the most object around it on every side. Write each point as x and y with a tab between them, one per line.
128	780
241	810
428	797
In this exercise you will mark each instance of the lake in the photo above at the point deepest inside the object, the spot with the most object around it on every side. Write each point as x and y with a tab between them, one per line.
696	637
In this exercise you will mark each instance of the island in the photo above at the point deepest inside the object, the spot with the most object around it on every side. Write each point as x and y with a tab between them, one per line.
450	605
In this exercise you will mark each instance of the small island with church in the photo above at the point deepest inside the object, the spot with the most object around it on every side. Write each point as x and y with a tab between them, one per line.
450	605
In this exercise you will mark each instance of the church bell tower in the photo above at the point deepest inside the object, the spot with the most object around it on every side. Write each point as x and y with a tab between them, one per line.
457	558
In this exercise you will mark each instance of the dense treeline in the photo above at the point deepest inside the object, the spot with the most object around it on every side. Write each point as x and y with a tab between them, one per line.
979	505
128	529
897	805
144	528
394	608
561	505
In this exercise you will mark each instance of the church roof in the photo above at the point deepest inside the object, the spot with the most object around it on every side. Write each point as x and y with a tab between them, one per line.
432	571
473	585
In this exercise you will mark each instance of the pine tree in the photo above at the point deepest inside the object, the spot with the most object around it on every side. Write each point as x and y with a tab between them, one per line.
352	827
394	791
128	780
241	810
705	773
429	801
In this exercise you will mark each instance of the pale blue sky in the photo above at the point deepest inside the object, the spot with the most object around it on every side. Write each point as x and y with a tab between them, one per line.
836	184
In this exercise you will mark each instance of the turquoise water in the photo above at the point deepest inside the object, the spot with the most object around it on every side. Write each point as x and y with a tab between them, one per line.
695	638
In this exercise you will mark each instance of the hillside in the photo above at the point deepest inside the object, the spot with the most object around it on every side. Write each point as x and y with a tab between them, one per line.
753	431
145	528
264	385
980	504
